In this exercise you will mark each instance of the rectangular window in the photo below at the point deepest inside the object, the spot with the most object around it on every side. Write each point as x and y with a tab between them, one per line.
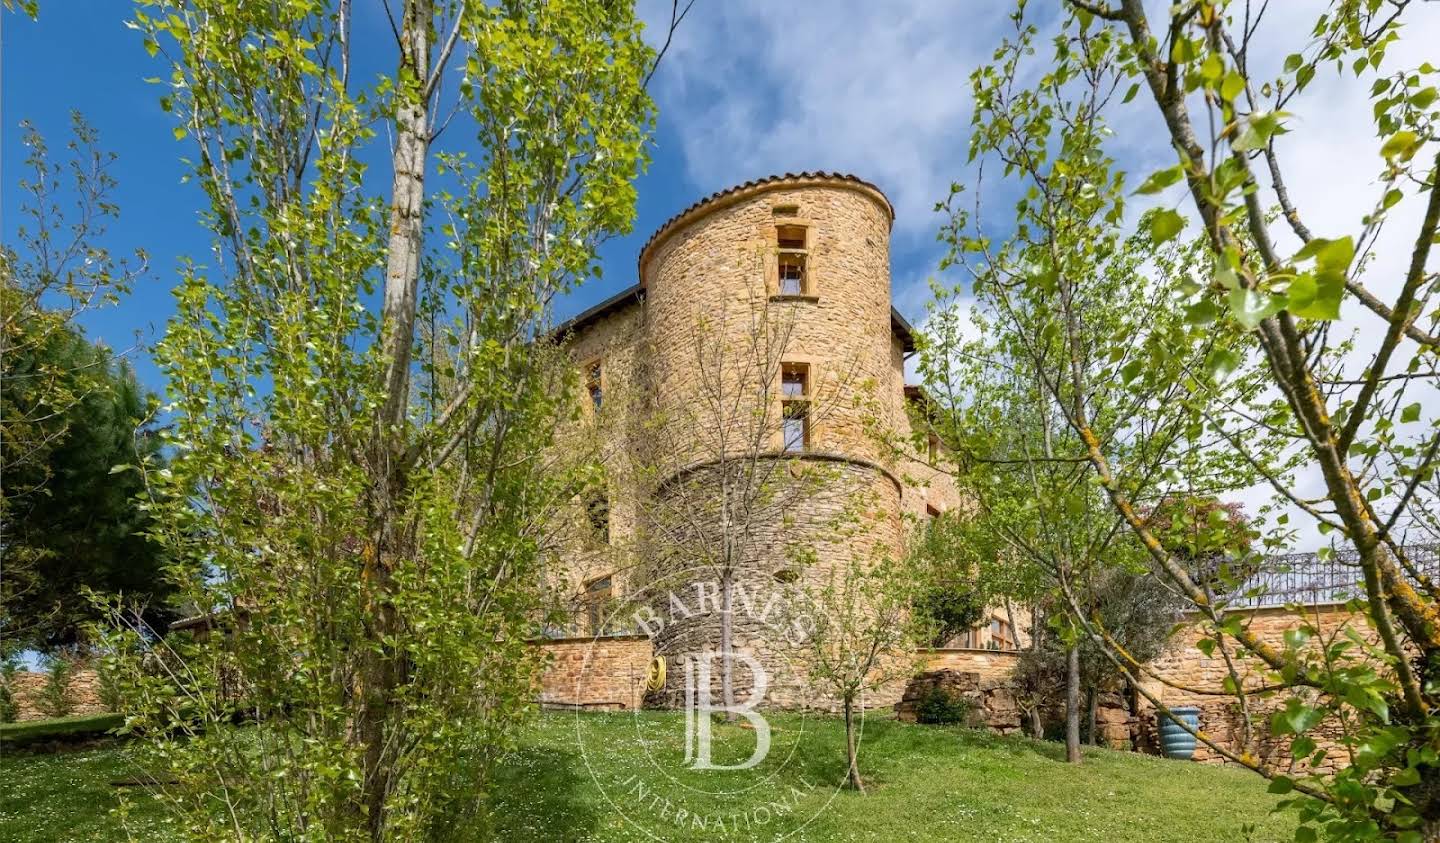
932	448
795	406
597	510
790	241
792	275
598	593
592	385
1002	637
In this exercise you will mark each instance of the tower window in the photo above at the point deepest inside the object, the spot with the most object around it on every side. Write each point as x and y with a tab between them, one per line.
932	448
598	593
795	406
593	386
790	241
597	510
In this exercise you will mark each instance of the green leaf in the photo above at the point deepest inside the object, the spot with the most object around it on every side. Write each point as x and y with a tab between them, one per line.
1259	128
1220	363
1281	784
1202	312
1164	225
1296	718
1302	746
1402	145
1316	295
1232	86
1336	254
1130	94
1251	306
1183	50
1410	413
1161	179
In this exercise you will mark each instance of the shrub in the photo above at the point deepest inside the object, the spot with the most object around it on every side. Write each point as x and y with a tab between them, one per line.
54	698
86	727
939	707
8	709
109	687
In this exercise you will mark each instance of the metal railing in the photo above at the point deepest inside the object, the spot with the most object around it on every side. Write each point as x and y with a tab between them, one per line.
1307	579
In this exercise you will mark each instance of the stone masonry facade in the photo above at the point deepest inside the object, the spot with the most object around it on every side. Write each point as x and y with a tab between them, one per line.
759	340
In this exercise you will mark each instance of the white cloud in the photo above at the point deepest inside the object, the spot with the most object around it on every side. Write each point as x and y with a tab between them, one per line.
876	89
882	90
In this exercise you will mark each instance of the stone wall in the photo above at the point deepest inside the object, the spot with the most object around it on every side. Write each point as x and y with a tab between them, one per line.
1221	718
990	665
84	694
991	702
605	673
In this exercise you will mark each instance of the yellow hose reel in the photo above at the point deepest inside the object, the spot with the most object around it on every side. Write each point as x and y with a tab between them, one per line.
655	676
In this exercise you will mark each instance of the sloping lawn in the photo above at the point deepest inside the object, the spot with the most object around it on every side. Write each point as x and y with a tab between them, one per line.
925	783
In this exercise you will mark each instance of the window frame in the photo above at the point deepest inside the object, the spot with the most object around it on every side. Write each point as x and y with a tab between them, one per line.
595	605
594	373
793	407
788	254
598	505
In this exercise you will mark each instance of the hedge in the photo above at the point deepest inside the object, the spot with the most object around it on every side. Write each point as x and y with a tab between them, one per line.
79	727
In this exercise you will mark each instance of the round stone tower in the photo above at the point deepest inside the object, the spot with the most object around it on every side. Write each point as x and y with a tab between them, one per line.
771	301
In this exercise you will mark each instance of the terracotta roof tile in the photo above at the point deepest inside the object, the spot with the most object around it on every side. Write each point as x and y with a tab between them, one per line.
806	175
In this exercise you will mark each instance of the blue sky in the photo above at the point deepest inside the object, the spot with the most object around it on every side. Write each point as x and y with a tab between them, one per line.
736	103
749	88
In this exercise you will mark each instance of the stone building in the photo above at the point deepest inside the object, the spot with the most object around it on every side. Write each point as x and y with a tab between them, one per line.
747	399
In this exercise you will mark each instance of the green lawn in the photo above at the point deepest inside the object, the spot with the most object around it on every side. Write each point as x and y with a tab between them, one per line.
926	783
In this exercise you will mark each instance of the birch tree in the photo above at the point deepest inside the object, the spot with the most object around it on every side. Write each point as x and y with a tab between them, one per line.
360	388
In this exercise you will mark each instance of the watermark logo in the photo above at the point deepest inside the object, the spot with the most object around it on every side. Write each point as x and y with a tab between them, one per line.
699	711
718	743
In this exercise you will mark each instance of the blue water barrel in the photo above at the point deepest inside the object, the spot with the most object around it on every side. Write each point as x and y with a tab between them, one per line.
1175	742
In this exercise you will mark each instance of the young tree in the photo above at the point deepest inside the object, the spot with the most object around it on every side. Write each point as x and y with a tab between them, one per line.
54	271
361	391
966	570
861	630
711	469
1351	409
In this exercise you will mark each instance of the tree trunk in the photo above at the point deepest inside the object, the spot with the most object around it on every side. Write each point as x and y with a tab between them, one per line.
727	641
1072	705
1037	726
381	671
407	210
852	773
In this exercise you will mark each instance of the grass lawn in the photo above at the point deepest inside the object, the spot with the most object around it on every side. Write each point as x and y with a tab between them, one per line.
925	783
